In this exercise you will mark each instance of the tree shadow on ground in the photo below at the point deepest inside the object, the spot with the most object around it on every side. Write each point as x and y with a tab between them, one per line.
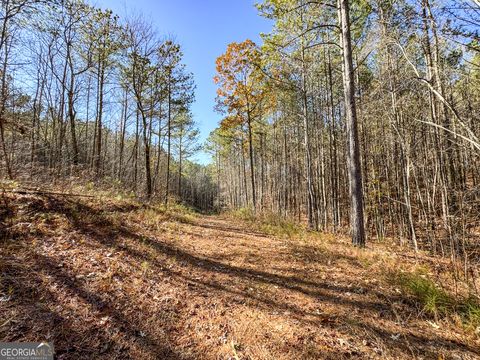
228	280
228	229
33	300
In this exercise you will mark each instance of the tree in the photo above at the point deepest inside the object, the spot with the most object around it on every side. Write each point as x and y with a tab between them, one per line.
10	11
142	74
354	167
106	35
180	95
241	92
186	135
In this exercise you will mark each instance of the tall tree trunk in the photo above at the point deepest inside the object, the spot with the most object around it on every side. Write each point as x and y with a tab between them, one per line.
252	165
71	116
3	107
122	134
146	143
354	167
311	213
169	133
98	148
180	155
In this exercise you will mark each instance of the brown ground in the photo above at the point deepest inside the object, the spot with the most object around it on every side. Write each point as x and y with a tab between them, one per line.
105	279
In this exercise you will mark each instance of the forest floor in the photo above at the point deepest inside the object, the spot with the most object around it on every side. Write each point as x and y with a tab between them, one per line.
105	278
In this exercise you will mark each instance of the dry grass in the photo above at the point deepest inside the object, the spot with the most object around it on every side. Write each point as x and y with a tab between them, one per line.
115	279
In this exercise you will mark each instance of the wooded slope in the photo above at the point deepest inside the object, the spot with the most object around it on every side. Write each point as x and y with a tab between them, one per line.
115	279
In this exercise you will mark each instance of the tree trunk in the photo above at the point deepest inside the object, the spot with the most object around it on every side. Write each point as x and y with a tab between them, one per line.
71	116
146	143
169	133
98	149
252	166
354	167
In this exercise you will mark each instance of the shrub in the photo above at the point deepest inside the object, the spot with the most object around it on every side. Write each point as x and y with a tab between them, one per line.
245	214
269	223
437	301
470	312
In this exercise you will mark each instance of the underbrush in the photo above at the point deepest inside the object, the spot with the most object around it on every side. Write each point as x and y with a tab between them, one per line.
269	223
437	301
173	212
30	210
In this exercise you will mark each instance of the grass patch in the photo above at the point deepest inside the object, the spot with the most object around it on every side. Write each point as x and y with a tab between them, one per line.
245	214
437	301
269	223
181	213
470	312
275	225
154	215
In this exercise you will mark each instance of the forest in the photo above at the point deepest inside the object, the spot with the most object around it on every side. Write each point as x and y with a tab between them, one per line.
395	121
87	94
338	215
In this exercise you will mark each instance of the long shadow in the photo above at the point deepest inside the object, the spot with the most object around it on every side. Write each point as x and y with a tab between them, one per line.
231	229
41	322
106	233
307	253
336	323
68	341
291	283
120	319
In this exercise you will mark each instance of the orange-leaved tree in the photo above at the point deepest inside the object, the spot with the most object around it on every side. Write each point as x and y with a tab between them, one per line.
241	92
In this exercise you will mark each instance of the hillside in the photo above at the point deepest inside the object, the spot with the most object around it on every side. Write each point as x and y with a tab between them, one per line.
240	180
110	278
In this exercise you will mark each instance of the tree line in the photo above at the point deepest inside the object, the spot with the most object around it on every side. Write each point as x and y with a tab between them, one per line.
85	93
357	113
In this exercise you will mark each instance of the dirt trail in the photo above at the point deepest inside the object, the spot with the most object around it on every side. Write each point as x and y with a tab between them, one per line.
109	281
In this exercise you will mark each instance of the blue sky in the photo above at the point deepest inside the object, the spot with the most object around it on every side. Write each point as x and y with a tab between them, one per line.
204	28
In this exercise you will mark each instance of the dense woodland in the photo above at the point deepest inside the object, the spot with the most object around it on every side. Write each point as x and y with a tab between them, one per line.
379	98
360	114
89	95
338	218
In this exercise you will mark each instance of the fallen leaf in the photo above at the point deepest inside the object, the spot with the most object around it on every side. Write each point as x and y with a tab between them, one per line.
395	337
432	324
